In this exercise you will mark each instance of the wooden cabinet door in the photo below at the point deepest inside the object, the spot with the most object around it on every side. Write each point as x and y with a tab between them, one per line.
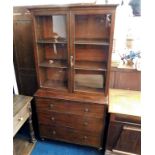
52	49
23	54
124	139
91	43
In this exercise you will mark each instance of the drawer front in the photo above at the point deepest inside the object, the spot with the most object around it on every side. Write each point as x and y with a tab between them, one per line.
89	124
70	135
20	118
88	109
125	138
129	140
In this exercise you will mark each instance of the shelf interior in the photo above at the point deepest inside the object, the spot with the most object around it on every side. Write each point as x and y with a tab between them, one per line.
92	41
52	40
55	78
55	84
89	81
88	89
54	63
90	65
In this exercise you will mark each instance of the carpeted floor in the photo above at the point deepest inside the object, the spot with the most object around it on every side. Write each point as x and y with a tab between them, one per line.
60	148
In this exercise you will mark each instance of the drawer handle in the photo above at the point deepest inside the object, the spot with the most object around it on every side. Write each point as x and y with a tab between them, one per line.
52	118
131	128
53	132
85	137
85	123
51	105
20	119
86	110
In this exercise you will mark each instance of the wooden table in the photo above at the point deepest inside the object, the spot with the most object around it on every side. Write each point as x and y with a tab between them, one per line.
124	132
22	113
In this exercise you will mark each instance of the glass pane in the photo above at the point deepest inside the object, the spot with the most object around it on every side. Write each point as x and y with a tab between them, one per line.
52	49
55	78
92	28
89	81
91	45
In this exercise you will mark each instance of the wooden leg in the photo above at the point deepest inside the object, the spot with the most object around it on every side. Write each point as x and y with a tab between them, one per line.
33	140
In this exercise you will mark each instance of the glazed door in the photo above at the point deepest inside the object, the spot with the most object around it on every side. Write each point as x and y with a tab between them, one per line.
90	49
52	50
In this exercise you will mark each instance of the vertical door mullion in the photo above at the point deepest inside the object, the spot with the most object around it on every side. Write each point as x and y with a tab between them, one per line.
72	49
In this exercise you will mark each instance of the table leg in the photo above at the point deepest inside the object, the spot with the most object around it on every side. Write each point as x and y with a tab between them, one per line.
31	125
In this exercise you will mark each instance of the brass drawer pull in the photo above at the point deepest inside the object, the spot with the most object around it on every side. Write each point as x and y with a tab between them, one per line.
131	128
51	105
85	123
85	137
86	110
52	118
20	119
53	132
123	152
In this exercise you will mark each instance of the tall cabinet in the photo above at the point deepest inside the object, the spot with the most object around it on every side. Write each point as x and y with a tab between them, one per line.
73	46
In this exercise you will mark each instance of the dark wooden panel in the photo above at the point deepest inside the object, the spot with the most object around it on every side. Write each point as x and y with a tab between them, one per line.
129	140
79	108
125	79
128	80
124	134
91	53
76	96
97	26
112	79
23	43
113	134
23	54
27	83
84	123
70	135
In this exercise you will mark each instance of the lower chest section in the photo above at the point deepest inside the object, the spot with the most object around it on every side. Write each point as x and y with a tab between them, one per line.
71	121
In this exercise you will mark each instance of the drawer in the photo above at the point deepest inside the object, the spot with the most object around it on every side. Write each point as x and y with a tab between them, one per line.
126	118
70	135
78	122
88	109
20	118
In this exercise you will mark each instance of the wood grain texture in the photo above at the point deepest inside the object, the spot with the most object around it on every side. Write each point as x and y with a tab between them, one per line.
128	79
22	144
81	97
70	135
72	100
75	121
71	107
124	134
23	55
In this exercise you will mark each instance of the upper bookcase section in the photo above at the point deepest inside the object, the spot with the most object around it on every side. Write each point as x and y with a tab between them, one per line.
45	9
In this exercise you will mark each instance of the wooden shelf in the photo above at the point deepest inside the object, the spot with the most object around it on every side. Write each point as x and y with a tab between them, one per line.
88	89
52	40
90	65
92	42
60	85
54	64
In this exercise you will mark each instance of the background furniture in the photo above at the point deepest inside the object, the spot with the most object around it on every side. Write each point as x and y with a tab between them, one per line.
121	78
124	133
73	46
22	113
